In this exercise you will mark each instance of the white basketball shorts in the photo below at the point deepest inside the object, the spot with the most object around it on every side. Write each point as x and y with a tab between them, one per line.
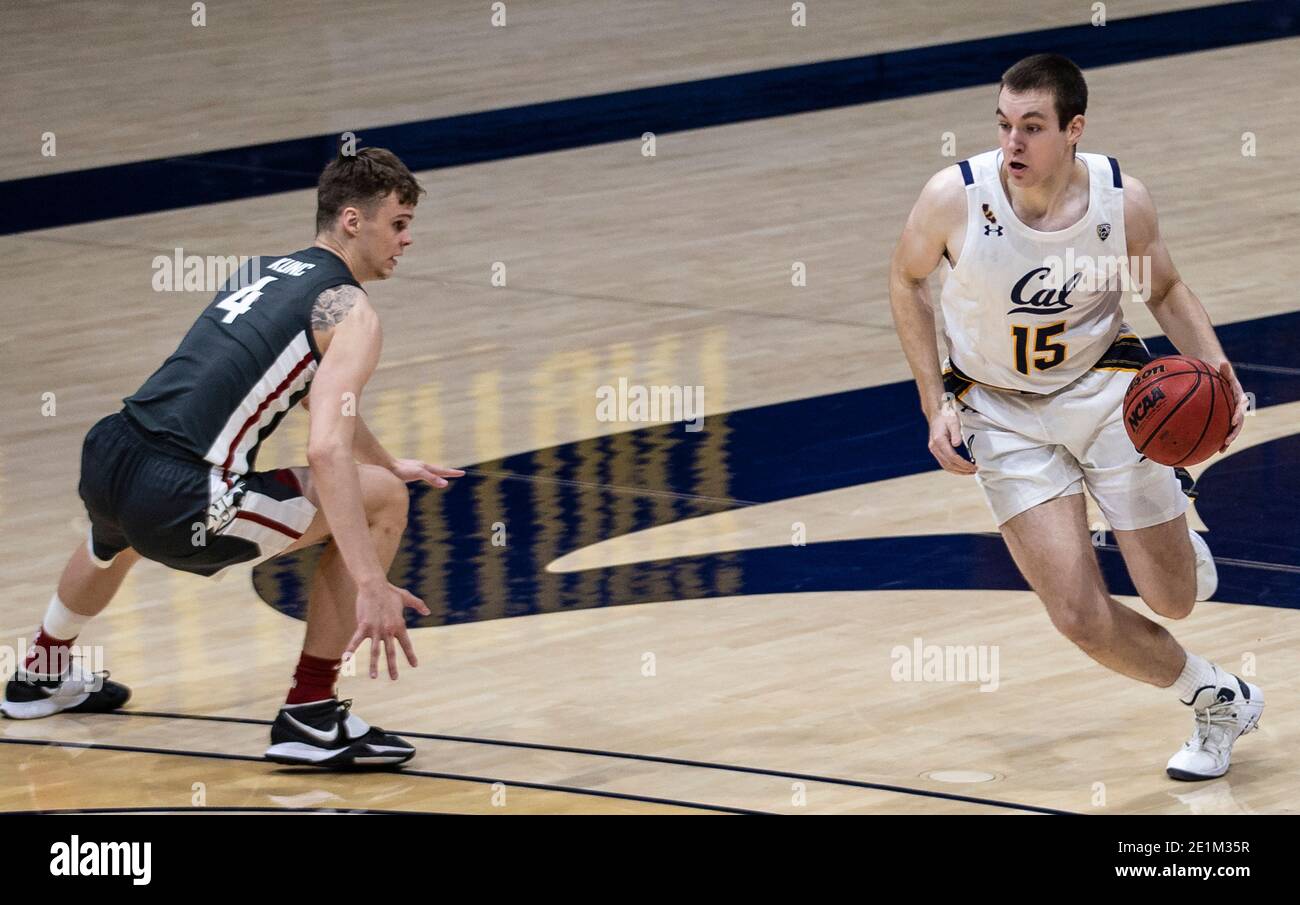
1034	448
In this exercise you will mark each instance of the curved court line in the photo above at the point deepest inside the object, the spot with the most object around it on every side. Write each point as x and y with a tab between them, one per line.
214	809
645	758
428	774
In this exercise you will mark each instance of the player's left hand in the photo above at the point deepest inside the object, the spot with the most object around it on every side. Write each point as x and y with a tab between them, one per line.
414	470
1238	416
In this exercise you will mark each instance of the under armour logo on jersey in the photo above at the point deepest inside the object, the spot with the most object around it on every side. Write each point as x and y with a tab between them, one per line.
1044	301
1103	230
992	230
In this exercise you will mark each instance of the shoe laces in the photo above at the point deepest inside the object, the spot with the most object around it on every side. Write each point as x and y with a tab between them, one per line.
345	708
1214	725
94	680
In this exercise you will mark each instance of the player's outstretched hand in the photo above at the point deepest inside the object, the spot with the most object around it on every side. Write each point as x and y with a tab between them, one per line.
379	618
1238	416
414	470
945	437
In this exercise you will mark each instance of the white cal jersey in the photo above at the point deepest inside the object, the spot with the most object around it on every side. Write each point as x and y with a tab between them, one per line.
1030	310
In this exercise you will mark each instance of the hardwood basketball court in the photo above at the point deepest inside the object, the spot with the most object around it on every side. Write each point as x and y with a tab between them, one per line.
649	636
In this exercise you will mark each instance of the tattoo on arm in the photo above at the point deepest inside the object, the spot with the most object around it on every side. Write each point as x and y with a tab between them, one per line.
333	305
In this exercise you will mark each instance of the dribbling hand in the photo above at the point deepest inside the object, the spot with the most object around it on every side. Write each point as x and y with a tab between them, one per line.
945	437
1243	404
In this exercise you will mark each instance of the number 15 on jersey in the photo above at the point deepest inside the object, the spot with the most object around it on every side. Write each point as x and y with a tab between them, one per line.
1052	353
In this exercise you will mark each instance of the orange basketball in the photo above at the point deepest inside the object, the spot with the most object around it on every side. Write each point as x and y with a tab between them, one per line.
1178	410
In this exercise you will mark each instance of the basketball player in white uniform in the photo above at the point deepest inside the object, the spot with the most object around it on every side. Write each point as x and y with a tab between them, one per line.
1039	359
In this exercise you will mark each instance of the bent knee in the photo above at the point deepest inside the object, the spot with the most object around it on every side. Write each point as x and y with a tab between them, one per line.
385	494
1086	623
1172	606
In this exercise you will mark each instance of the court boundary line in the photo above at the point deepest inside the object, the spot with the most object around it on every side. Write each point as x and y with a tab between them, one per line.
215	809
427	774
644	758
109	191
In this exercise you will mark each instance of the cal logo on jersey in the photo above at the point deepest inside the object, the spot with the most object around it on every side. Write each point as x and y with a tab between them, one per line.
1044	301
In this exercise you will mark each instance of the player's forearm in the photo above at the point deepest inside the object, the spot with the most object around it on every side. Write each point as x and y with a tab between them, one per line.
1183	319
339	487
368	450
914	321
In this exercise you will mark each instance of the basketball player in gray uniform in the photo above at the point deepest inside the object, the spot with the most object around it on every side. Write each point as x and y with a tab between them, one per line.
171	477
1039	359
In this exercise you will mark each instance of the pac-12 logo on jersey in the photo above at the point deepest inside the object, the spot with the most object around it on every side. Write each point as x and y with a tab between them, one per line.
1044	301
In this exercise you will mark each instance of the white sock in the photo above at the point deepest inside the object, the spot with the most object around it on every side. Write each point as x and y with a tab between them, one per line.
60	622
1198	673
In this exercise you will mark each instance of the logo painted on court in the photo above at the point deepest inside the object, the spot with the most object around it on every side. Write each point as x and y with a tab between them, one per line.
563	498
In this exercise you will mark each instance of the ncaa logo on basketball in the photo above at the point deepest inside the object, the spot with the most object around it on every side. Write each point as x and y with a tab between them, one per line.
1144	406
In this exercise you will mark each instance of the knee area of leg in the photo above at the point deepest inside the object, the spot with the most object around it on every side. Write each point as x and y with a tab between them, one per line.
395	499
1083	624
1174	607
385	495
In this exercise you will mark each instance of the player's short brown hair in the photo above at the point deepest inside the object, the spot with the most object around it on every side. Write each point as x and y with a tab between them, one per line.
362	179
1055	73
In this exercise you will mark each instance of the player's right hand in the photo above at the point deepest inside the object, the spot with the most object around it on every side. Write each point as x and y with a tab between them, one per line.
945	437
380	618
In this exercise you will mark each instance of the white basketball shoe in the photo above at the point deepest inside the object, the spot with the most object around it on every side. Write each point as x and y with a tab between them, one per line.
1223	712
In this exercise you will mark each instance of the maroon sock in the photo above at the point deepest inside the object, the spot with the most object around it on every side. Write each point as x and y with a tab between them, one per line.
48	656
313	680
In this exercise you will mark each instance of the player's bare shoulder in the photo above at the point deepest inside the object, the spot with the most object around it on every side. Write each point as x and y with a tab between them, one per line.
936	226
1140	221
332	307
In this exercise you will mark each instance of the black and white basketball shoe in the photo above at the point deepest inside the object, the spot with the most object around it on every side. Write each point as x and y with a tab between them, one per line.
327	734
29	695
